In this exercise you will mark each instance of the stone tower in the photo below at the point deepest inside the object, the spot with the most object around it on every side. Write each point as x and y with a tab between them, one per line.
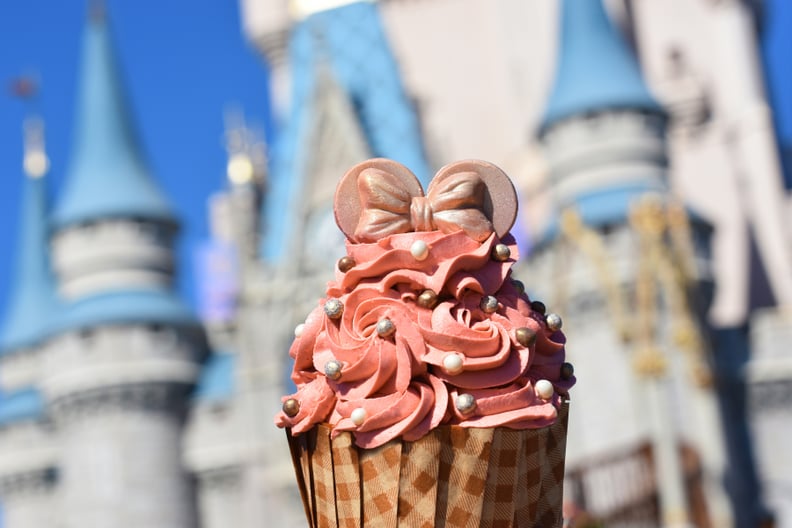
28	474
628	267
124	351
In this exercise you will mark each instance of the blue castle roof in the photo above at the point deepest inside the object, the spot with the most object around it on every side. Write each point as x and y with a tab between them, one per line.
218	379
25	404
351	41
595	68
141	306
32	298
107	176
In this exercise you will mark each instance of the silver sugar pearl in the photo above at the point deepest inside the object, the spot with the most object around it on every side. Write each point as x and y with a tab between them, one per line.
385	327
333	369
465	403
489	304
334	308
554	322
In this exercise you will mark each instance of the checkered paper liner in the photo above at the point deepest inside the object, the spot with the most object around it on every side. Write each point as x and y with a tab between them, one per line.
453	477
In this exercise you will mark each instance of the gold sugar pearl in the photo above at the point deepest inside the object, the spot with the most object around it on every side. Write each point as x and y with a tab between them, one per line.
346	263
501	252
427	299
525	336
291	407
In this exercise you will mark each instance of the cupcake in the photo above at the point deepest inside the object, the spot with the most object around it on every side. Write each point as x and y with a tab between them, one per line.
431	391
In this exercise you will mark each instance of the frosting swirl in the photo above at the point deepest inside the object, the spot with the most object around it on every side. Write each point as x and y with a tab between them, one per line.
405	364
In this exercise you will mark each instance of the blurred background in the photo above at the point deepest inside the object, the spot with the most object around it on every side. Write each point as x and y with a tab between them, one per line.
167	179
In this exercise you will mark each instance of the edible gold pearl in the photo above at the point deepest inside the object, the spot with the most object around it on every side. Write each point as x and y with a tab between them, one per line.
358	416
465	403
525	336
385	327
554	322
501	252
544	389
567	371
291	407
334	308
489	304
333	369
452	363
345	264
427	299
419	250
298	330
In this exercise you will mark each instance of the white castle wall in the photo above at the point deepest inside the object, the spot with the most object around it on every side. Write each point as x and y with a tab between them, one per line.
770	399
120	461
118	397
116	355
112	254
603	150
28	474
20	369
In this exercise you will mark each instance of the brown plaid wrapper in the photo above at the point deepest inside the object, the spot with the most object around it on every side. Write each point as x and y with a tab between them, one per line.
453	477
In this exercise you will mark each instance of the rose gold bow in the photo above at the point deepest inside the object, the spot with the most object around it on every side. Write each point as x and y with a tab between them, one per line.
452	204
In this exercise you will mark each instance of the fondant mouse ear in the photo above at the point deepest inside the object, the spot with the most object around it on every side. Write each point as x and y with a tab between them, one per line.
500	197
347	203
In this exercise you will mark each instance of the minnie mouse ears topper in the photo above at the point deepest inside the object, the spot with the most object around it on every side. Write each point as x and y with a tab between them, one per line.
381	197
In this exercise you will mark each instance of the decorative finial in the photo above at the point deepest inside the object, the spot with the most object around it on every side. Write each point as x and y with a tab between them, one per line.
35	162
97	11
247	153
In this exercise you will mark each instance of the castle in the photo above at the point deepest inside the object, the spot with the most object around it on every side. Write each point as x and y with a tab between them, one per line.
119	406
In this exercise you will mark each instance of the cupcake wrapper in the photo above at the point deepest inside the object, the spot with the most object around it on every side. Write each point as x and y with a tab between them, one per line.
452	477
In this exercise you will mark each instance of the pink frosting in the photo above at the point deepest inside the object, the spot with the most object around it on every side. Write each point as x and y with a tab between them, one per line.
398	382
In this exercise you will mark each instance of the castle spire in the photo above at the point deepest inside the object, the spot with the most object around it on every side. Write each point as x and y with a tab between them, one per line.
107	177
32	298
596	70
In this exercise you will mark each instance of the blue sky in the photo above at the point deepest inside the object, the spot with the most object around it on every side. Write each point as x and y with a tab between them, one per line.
182	67
777	50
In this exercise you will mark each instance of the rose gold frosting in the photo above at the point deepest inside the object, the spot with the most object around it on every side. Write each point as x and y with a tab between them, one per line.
399	380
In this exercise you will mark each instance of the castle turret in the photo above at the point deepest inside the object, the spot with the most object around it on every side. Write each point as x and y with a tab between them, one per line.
27	448
113	226
628	267
124	351
602	130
